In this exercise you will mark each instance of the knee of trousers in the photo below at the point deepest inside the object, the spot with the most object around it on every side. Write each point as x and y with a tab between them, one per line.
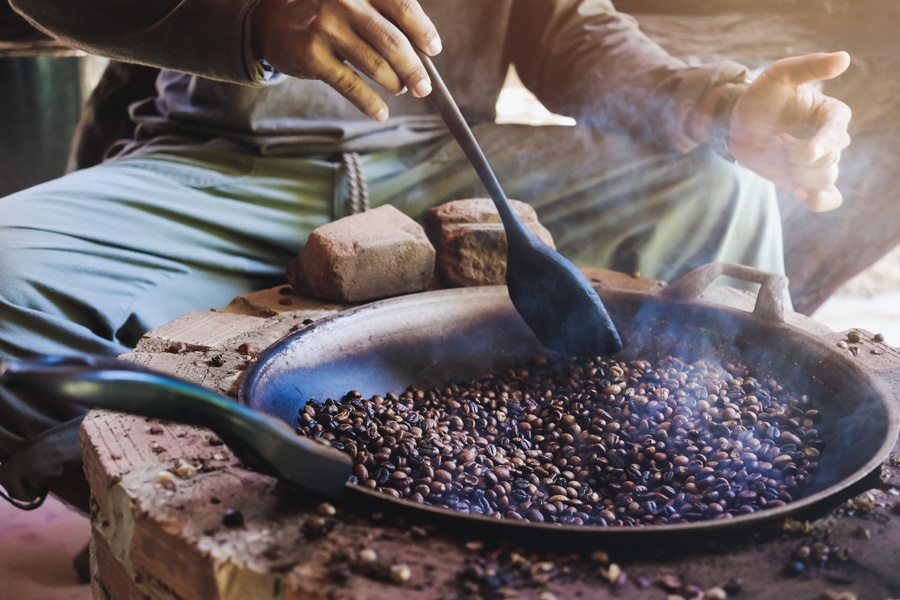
720	212
37	314
729	191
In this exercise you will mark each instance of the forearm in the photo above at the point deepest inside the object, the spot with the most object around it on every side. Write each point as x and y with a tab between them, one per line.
203	37
594	64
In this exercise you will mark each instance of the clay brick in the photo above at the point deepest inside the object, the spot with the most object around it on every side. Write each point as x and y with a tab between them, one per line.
374	254
470	242
201	330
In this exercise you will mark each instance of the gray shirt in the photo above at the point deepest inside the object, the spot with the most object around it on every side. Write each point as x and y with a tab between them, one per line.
581	58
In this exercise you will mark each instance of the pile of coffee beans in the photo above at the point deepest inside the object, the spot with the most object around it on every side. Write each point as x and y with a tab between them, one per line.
594	442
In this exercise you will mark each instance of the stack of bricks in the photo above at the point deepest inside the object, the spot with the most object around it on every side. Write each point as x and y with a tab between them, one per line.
382	252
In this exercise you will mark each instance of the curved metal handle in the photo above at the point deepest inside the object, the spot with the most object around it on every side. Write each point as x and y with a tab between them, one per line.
261	441
769	302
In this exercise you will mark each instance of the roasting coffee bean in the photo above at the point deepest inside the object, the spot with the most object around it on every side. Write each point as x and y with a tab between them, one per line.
232	518
596	442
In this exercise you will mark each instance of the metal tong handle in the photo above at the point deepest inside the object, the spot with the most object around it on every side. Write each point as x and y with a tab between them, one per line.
260	441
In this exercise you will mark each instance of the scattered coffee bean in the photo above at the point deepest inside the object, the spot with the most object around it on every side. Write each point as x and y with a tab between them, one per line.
400	573
177	348
854	337
340	573
217	361
715	593
839	577
612	573
166	479
671	583
246	348
734	585
593	442
326	510
820	550
878	337
833	595
842	345
233	518
185	469
316	527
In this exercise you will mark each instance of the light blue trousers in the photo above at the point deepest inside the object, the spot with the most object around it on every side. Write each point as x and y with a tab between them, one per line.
92	260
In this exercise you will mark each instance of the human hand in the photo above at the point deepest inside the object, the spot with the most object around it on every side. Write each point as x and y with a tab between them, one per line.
789	132
316	39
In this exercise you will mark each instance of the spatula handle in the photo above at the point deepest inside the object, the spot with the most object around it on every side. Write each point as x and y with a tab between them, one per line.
448	109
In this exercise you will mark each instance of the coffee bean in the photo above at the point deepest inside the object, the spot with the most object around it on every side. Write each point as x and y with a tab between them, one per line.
556	445
232	518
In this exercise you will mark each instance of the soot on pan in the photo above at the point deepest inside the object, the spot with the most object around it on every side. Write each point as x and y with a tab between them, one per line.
595	442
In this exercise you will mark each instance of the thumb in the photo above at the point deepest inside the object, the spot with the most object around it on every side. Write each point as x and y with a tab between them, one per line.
819	66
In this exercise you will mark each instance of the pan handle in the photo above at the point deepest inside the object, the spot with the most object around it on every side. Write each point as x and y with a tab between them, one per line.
769	302
259	440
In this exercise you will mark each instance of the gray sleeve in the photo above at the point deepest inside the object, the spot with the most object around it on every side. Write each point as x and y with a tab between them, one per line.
210	38
584	59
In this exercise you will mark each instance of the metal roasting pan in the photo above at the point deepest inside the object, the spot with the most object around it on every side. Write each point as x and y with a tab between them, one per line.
432	337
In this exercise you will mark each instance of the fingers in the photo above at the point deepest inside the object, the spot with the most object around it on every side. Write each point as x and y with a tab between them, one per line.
831	121
412	20
351	86
808	152
369	62
819	200
812	181
809	68
397	57
328	39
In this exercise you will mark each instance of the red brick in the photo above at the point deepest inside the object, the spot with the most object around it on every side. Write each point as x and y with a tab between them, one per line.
374	254
471	243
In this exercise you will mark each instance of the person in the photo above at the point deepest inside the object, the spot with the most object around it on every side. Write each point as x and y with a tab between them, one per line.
271	115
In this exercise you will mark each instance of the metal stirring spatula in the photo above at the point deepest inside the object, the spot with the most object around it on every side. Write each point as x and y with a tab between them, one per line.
550	293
